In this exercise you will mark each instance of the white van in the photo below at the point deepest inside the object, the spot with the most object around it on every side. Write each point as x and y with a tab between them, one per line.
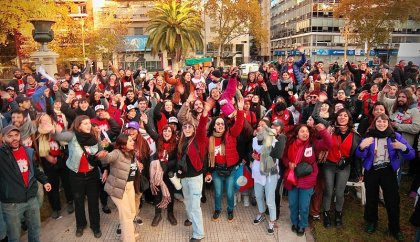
247	68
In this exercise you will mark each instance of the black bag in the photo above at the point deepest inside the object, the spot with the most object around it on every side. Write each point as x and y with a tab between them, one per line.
342	163
92	159
222	170
144	183
303	169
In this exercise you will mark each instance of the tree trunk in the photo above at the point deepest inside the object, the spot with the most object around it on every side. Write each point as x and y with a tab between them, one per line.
219	54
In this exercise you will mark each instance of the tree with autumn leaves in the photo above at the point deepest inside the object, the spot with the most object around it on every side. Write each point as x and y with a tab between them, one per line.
233	18
372	21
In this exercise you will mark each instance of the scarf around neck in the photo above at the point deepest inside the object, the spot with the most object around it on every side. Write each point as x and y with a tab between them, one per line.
86	139
380	134
211	147
266	161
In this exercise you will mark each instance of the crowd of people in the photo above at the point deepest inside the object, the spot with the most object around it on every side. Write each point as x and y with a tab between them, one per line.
132	135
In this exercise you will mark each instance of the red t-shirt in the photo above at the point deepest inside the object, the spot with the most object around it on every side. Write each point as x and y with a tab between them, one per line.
291	73
60	120
54	148
84	164
218	156
30	91
23	163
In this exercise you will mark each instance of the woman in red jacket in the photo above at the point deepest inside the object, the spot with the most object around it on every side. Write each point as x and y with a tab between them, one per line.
223	157
303	145
192	149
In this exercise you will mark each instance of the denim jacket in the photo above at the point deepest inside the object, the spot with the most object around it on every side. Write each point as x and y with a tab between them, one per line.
75	150
368	154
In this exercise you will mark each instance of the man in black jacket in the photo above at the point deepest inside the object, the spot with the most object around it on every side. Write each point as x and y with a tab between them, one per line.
18	186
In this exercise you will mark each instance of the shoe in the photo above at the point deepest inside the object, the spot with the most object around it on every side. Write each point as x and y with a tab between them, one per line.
106	209
327	219
253	201
138	221
56	215
172	218
316	217
97	234
230	216
203	199
338	219
216	215
370	228
259	219
267	212
194	240
79	232
270	229
156	219
295	228
187	222
70	207
300	232
398	236
119	229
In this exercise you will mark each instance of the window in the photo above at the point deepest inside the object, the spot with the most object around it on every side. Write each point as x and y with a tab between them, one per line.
138	30
239	49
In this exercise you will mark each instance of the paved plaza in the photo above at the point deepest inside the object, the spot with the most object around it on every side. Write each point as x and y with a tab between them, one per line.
240	230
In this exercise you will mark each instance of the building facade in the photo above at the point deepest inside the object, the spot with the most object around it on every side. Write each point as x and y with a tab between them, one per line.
310	23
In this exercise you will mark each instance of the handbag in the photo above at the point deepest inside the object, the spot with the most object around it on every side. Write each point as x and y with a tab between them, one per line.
222	170
144	183
343	162
303	168
290	177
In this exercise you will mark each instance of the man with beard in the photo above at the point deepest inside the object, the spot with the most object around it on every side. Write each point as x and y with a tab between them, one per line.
19	186
62	92
31	86
27	128
405	116
308	110
17	83
76	75
143	108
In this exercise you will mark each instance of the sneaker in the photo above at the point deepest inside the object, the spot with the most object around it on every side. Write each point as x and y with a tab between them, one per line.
70	207
270	229
398	236
172	219
187	223
194	240
56	215
79	232
106	209
316	217
138	221
327	219
97	234
300	232
370	228
216	215
259	219
230	216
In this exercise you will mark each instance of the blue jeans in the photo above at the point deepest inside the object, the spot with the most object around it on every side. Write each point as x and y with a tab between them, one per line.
2	225
270	196
299	200
229	183
191	189
13	212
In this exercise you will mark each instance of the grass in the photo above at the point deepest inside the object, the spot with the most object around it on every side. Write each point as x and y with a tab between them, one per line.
353	229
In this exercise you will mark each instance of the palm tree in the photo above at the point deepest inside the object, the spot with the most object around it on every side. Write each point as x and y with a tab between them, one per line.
176	28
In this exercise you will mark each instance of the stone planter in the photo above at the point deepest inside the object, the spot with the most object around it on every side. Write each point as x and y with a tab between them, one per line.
42	32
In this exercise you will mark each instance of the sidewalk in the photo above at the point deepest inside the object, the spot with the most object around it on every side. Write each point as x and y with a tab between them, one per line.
240	230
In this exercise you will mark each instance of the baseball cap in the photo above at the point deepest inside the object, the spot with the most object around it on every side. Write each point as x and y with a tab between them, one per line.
99	107
132	125
129	107
21	99
10	88
172	120
6	130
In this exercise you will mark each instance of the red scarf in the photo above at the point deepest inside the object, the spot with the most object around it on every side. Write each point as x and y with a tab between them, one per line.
295	151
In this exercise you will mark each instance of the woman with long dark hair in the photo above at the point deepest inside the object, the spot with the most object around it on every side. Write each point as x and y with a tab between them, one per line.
304	144
380	152
340	160
84	171
192	149
120	183
223	157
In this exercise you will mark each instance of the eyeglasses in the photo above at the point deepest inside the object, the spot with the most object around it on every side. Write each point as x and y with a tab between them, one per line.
220	124
187	126
313	97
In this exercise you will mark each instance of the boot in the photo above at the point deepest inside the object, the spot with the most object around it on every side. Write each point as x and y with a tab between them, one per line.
172	219
327	219
338	219
156	219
